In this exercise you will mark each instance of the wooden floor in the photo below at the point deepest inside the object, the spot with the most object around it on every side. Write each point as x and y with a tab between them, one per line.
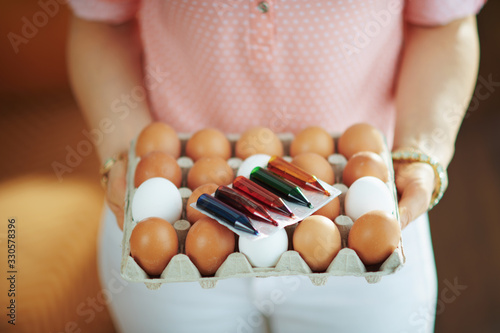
36	131
465	228
57	219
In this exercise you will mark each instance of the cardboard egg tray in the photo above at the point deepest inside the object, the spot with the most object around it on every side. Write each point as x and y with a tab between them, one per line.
181	269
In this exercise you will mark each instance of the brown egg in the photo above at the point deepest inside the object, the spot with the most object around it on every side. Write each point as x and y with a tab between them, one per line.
153	243
158	136
258	140
365	163
331	210
192	214
317	240
210	170
374	236
208	243
316	165
313	140
208	142
157	164
360	137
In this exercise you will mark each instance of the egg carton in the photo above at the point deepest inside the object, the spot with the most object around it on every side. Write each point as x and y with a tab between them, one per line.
181	268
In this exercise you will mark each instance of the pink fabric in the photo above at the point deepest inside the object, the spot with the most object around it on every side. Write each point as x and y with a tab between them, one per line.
113	11
228	65
440	12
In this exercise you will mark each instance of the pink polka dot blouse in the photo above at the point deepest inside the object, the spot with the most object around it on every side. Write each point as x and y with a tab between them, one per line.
283	64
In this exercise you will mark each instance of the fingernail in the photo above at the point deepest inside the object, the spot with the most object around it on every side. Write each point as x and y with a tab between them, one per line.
403	216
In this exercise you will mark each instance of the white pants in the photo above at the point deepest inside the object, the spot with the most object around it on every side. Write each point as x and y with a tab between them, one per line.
401	303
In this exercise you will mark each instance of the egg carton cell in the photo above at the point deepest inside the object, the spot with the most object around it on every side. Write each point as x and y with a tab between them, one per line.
182	269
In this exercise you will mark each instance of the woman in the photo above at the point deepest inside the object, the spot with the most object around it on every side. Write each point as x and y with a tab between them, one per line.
406	67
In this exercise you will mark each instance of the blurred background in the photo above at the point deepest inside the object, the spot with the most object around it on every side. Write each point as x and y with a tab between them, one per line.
57	218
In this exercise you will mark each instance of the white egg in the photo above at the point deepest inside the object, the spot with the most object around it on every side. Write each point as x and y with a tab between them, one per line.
157	197
367	194
264	252
251	162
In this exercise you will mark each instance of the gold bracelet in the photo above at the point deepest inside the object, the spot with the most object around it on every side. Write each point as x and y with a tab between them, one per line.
413	155
106	168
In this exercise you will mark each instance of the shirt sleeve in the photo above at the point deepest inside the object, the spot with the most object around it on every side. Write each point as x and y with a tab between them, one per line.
440	12
111	11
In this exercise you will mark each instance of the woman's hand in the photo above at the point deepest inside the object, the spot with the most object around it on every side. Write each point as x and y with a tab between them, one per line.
115	191
415	184
436	80
114	52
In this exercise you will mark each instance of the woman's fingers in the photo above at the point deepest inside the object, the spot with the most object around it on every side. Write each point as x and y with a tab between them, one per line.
415	184
115	194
